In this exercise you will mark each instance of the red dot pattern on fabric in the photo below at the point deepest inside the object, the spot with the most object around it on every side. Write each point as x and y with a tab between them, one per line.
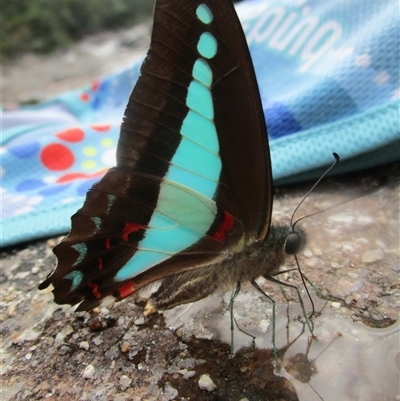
71	135
57	157
101	128
84	97
95	85
79	176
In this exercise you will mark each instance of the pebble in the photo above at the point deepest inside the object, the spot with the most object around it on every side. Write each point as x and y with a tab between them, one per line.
113	352
124	382
125	346
84	345
317	251
187	374
64	350
97	340
264	324
204	335
95	324
348	247
12	310
179	332
373	256
89	371
21	275
142	367
139	321
67	330
51	243
352	275
307	253
312	262
205	383
170	393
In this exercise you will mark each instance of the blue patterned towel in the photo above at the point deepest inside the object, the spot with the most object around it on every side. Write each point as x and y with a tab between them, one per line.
329	79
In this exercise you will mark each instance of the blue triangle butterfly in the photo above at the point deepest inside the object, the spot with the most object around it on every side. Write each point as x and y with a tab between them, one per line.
188	205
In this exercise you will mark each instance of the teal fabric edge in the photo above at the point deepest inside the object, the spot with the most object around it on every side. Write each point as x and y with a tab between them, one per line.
14	132
68	100
289	164
383	155
42	224
350	137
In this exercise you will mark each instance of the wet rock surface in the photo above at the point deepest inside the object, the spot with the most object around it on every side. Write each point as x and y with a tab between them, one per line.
51	352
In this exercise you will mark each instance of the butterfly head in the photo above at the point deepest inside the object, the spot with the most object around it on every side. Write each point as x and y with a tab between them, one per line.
286	240
283	242
295	241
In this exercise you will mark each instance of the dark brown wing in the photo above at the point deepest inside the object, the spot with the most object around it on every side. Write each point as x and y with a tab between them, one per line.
193	175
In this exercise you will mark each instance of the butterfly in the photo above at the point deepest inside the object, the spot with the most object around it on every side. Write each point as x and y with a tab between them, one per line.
187	209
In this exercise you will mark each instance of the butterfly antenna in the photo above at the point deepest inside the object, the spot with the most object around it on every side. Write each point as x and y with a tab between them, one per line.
337	159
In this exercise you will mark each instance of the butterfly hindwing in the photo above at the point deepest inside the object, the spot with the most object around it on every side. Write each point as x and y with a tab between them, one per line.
193	176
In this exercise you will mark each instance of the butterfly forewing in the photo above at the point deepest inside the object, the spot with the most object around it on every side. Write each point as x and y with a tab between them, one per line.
193	176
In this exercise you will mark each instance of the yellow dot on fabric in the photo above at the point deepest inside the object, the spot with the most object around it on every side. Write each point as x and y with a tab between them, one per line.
107	142
89	164
90	151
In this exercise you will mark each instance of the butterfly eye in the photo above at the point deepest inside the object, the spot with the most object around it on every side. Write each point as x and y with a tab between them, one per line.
292	244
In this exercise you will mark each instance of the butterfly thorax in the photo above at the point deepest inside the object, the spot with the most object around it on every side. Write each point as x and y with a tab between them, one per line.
268	256
262	258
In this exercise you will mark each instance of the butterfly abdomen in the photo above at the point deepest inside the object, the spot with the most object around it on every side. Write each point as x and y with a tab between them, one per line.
263	258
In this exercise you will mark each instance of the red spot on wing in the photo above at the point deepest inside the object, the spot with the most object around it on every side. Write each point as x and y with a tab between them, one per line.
108	243
71	135
100	263
225	226
95	290
127	289
131	228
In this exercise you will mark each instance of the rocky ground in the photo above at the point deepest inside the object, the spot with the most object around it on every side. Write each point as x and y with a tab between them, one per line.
115	354
51	352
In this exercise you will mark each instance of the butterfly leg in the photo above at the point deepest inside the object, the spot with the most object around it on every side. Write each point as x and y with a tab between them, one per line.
259	289
235	293
230	306
308	321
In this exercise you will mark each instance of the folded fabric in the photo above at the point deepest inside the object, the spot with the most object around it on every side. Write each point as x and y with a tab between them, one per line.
329	79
